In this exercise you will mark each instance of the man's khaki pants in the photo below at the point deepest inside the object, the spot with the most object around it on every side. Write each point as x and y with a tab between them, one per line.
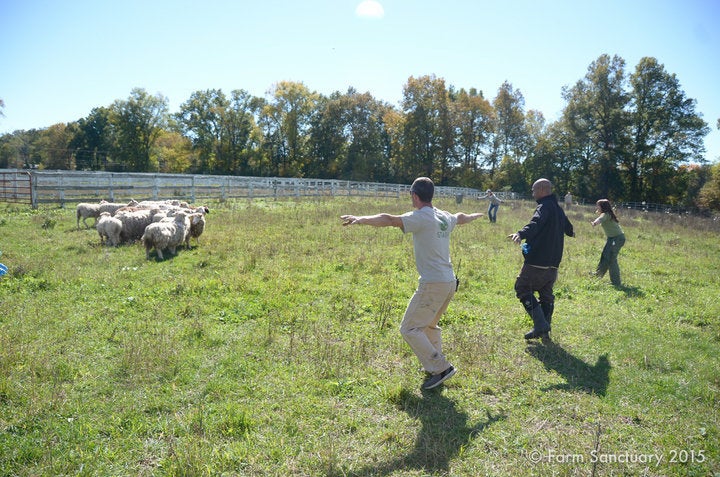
420	328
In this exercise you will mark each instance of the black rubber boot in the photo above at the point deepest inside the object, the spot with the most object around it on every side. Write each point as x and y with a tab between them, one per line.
540	324
548	309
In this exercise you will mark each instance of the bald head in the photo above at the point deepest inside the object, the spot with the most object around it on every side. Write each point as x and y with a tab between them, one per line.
541	188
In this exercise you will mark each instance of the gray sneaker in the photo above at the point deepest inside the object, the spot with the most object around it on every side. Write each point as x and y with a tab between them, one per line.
437	379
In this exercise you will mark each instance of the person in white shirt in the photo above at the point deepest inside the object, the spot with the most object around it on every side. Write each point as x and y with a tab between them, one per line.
431	229
493	206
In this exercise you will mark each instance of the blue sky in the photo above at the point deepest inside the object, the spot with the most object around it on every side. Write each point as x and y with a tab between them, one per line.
60	59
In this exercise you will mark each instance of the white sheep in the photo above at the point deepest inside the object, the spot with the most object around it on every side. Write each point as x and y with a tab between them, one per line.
162	215
113	207
164	204
134	223
169	234
85	210
109	228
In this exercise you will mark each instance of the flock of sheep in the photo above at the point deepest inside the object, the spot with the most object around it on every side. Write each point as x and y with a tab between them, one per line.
162	225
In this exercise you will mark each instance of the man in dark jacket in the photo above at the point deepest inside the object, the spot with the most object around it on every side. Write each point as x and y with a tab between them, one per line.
544	239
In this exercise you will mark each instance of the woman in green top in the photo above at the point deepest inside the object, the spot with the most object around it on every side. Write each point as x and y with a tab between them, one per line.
615	241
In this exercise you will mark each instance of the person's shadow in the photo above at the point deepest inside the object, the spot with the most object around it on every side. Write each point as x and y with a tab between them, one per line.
578	374
631	291
444	432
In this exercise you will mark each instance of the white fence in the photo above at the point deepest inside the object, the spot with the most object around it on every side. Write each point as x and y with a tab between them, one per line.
64	187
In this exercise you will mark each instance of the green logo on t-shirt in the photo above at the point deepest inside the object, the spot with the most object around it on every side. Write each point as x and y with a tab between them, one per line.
443	224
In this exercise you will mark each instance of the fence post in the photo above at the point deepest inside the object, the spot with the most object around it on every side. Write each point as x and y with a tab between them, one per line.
111	191
62	193
33	191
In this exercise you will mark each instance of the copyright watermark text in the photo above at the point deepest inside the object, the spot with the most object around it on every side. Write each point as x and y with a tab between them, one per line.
552	456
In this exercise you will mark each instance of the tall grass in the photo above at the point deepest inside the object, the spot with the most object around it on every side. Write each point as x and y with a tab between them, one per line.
271	348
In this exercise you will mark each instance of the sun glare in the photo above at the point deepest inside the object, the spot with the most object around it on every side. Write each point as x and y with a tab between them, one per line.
370	9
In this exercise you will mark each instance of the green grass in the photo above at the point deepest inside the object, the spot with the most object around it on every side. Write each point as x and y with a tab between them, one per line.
272	348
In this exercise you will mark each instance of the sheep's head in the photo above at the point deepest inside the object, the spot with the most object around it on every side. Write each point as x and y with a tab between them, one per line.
196	218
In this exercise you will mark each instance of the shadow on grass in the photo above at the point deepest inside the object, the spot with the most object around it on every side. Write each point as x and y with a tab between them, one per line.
579	375
444	433
631	291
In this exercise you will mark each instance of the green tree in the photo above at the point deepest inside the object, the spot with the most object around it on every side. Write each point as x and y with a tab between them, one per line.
349	139
286	120
54	147
222	130
427	130
544	158
93	140
511	175
241	134
201	120
394	121
596	114
473	119
709	196
20	149
327	143
366	136
666	132
138	121
172	152
512	136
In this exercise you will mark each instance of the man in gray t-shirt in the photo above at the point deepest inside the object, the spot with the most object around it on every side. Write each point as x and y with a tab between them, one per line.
431	229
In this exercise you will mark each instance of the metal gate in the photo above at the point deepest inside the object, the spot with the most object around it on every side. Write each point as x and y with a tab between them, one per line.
16	186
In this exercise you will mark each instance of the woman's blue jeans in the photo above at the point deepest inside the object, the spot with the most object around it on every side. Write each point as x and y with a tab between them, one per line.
608	259
492	212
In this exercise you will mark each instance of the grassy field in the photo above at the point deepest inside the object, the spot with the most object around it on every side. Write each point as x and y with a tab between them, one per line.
272	348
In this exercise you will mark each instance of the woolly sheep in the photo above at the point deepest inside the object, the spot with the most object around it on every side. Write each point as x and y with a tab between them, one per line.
113	207
168	234
197	226
134	223
85	210
169	206
162	215
163	204
131	208
109	228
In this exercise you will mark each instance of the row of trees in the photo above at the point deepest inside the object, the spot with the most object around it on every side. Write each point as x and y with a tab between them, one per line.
629	137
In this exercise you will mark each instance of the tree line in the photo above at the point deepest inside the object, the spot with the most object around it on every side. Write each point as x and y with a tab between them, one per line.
628	137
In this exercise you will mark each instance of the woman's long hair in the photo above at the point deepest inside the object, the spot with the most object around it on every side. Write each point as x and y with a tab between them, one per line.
606	208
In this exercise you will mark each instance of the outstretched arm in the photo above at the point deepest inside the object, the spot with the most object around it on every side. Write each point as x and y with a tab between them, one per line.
467	218
379	220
